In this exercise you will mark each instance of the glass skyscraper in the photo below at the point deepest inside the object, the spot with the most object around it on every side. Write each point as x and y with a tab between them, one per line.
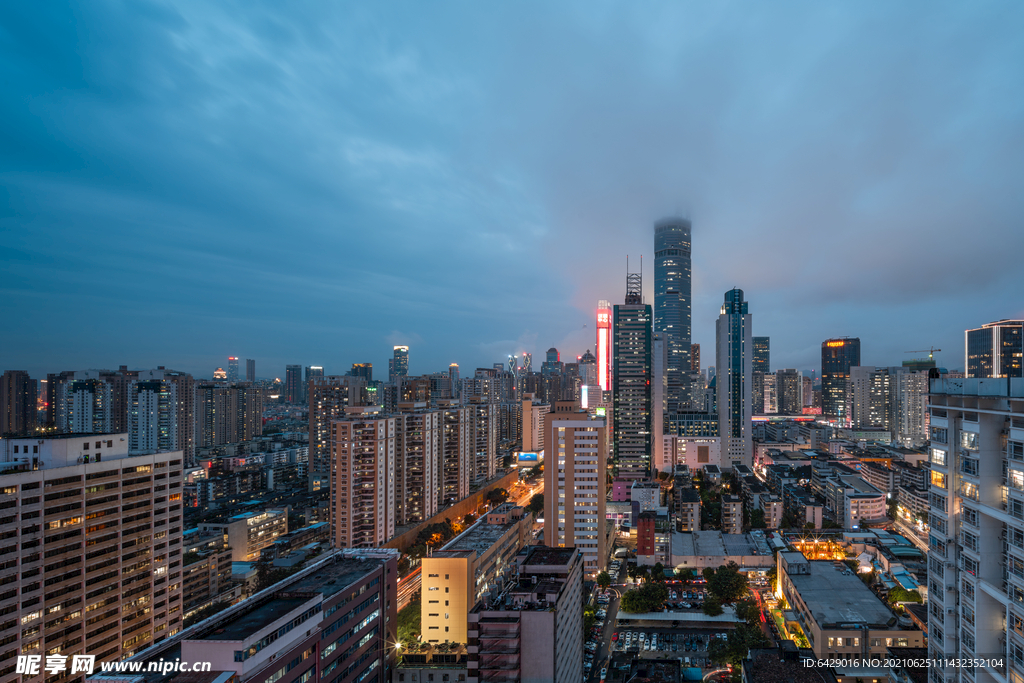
672	306
761	367
995	350
632	341
837	357
734	365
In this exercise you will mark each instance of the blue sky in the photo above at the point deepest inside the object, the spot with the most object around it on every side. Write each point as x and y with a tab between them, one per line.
313	183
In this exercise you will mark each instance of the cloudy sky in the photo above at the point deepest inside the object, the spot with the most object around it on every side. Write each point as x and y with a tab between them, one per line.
315	182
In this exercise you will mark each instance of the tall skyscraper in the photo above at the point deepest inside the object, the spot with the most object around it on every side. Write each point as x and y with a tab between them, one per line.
672	305
453	375
293	384
362	447
228	414
604	345
976	541
694	357
250	370
734	367
232	369
575	484
398	366
311	372
995	350
837	357
17	403
762	354
790	386
632	349
364	370
757	379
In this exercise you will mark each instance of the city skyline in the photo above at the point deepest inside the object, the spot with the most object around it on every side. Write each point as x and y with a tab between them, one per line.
190	189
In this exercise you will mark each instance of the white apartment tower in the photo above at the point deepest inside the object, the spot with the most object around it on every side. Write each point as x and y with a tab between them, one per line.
574	484
976	558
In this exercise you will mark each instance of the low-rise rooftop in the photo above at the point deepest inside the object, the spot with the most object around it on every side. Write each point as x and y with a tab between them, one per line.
834	595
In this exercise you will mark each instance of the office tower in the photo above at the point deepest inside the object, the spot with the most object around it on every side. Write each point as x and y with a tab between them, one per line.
604	345
398	365
575	484
770	396
995	349
364	370
552	363
631	382
837	357
250	370
478	561
762	354
417	462
587	364
458	451
483	433
17	403
362	450
311	372
695	358
808	392
527	363
161	413
672	305
734	363
293	384
761	367
790	387
108	586
453	374
232	369
329	399
975	570
533	630
228	414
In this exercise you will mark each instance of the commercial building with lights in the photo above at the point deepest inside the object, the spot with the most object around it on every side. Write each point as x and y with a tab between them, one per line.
632	399
604	345
976	539
837	357
995	350
734	364
575	486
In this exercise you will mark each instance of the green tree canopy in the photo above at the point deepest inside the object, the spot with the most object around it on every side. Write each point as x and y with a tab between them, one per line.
685	574
757	519
604	580
496	496
728	584
409	622
734	649
646	598
658	572
536	505
712	607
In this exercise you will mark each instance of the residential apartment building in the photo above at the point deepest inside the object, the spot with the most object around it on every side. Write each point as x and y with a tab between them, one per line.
687	509
575	485
734	362
633	383
773	509
478	561
976	555
92	552
227	413
329	397
17	403
161	413
363	452
206	575
417	463
533	631
732	514
854	502
484	423
457	451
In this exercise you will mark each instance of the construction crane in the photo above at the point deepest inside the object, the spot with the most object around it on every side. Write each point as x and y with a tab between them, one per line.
931	350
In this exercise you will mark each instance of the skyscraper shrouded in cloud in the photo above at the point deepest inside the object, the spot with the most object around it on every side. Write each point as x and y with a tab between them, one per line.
734	366
995	350
672	306
604	345
838	355
232	368
632	349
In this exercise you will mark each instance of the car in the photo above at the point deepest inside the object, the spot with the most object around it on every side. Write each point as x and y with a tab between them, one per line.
646	646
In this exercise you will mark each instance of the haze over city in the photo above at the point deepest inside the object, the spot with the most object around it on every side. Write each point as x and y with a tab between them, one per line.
314	184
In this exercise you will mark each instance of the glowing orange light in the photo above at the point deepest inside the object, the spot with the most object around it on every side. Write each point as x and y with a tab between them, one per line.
835	343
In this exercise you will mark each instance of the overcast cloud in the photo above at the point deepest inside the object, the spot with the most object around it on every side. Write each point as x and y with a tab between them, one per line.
315	182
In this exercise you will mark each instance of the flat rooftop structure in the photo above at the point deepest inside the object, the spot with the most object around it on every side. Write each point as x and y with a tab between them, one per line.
251	622
859	485
689	496
338	575
477	538
712	544
545	556
834	595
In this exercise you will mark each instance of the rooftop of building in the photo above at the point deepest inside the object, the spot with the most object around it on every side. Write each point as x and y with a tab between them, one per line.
862	487
834	595
714	544
688	495
480	536
780	666
645	485
60	437
1005	387
250	623
729	498
712	469
546	556
346	570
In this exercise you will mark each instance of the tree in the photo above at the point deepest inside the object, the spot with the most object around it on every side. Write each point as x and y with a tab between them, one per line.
536	505
899	594
712	607
829	524
496	496
409	621
809	525
727	584
684	574
468	520
749	611
757	519
604	580
646	598
658	572
734	649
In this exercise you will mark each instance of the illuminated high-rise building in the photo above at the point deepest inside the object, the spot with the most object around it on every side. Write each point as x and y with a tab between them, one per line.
837	357
161	413
364	370
672	306
311	372
604	345
232	368
398	366
734	364
760	369
694	357
632	349
995	350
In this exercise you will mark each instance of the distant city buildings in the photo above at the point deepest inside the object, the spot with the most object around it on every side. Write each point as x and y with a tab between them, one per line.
17	403
161	413
250	370
604	345
293	384
398	364
232	375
